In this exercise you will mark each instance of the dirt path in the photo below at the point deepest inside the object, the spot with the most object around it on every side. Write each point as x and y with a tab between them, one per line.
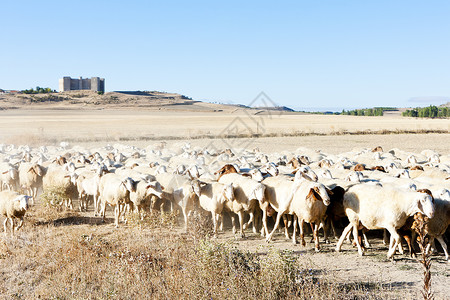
347	267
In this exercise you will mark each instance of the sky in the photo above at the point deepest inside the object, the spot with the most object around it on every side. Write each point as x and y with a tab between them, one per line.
301	54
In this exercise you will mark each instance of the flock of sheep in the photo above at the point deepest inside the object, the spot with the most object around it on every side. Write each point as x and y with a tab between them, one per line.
371	188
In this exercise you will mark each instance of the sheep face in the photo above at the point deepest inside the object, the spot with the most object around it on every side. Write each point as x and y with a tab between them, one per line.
23	202
258	193
309	172
272	169
444	194
228	192
195	187
425	204
320	190
37	169
256	175
154	188
129	184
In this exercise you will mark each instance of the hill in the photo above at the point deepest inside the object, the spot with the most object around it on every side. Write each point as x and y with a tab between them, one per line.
147	100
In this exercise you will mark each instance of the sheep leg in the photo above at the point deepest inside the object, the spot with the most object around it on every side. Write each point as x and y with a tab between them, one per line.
316	237
215	218
275	227
4	225
344	234
444	246
358	244
116	215
264	229
333	229
12	226
220	219
302	233
286	227
20	224
396	238
241	224
294	232
185	219
250	221
385	237
233	223
325	231
366	241
410	248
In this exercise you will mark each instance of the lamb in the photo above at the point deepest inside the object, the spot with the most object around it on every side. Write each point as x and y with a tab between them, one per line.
115	191
13	205
226	169
213	197
30	177
247	193
393	207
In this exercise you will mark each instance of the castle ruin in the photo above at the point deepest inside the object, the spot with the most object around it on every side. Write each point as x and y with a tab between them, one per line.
72	84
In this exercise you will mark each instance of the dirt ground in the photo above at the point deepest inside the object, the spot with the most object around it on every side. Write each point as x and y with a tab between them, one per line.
91	128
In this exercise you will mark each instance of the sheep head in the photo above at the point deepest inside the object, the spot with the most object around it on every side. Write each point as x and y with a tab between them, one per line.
154	188
129	184
319	192
258	193
195	187
228	193
36	169
425	204
22	202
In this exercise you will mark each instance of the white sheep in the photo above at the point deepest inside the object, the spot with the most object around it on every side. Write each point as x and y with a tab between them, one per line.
437	226
296	197
13	205
141	198
248	192
88	184
115	192
376	207
213	197
65	182
9	177
30	177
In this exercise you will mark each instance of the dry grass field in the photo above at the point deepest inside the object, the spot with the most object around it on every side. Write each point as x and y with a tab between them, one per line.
70	255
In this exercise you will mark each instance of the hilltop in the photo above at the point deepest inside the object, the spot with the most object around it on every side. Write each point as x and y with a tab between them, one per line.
146	100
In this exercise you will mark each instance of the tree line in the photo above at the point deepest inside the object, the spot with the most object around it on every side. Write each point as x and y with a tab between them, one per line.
431	111
39	90
376	111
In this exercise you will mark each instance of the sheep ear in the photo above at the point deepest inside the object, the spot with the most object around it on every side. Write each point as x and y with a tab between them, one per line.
31	169
18	198
314	193
5	172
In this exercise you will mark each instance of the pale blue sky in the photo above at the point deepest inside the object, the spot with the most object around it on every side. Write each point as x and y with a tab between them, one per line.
300	53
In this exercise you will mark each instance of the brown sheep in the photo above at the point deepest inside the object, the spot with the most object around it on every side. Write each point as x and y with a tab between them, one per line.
379	168
377	149
226	169
295	162
420	168
359	167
